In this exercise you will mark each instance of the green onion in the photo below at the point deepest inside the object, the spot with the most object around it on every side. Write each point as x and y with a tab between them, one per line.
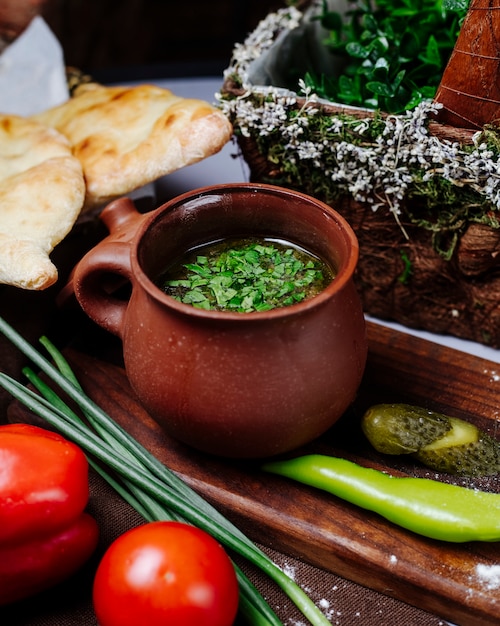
149	486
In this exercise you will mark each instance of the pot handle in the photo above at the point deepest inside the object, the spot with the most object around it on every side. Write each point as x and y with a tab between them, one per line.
107	266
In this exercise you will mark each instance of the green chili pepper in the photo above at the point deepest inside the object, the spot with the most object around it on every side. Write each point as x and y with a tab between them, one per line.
427	507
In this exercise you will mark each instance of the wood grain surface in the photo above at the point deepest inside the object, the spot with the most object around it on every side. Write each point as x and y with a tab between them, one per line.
445	579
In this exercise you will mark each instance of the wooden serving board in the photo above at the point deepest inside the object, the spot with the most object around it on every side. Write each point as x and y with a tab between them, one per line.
445	579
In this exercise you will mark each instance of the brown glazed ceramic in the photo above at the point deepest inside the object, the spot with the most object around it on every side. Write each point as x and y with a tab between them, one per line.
242	385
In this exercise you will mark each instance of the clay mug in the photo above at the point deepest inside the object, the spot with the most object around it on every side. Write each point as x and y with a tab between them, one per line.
241	385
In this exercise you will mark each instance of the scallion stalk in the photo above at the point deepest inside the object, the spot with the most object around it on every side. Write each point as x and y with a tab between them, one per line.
251	604
153	488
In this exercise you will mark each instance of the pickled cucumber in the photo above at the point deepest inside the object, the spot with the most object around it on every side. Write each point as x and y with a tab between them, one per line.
442	443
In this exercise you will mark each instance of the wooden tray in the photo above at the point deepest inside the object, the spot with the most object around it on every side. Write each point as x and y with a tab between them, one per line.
445	579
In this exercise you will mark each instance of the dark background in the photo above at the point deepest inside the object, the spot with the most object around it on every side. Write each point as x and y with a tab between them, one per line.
112	38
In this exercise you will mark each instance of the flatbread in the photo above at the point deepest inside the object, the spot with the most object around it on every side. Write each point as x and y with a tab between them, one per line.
42	191
126	137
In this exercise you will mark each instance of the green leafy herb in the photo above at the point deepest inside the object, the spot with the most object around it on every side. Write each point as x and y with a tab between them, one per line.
392	52
150	487
455	5
405	275
248	275
392	163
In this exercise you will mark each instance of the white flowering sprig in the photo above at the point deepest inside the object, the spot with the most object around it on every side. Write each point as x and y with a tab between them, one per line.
261	40
378	160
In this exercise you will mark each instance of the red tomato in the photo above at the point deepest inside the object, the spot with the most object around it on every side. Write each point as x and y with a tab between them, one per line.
165	573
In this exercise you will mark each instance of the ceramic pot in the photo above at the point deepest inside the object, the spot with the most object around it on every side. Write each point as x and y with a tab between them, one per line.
241	385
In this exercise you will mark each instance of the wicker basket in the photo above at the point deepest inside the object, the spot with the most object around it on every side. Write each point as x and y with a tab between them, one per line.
428	259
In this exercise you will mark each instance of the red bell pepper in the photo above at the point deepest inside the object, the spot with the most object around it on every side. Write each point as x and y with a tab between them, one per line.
45	534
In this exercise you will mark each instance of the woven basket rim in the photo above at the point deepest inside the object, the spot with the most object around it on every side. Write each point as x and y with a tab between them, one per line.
441	131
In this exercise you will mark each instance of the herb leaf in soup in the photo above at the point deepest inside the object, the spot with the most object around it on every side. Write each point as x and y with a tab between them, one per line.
246	275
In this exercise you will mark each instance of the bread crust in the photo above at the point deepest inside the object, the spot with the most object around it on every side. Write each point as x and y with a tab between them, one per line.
126	137
101	144
42	191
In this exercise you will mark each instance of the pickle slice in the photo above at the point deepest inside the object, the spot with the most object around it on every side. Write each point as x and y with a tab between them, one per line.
442	443
402	428
464	450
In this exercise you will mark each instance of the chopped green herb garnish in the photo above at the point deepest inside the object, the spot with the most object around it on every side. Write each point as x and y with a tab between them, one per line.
247	275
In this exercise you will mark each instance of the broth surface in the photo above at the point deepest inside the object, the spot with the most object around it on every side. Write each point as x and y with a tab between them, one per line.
245	275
